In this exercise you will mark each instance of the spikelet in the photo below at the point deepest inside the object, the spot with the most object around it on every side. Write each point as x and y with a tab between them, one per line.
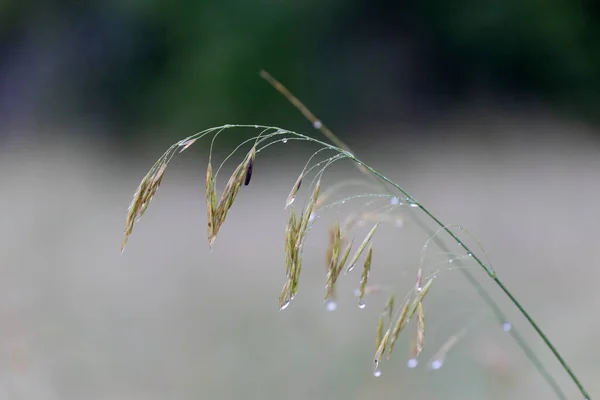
420	342
380	350
285	296
291	232
361	248
400	324
334	254
292	196
379	332
231	189
185	144
365	276
141	199
211	205
418	298
389	307
305	218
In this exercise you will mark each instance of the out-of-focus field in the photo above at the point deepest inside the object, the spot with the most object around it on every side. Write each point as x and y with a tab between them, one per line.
170	320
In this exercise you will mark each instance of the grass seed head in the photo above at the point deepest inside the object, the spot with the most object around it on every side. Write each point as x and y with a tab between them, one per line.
389	307
379	332
285	296
401	322
381	349
186	144
419	298
141	199
211	205
294	191
344	258
305	219
361	248
420	342
365	274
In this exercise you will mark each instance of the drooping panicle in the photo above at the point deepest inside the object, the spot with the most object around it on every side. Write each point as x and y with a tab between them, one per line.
142	197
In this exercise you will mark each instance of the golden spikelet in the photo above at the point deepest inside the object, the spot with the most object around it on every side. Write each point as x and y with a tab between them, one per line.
420	342
211	205
296	274
305	218
294	191
186	144
291	232
400	324
285	296
232	187
345	256
361	248
379	332
389	307
334	254
141	199
365	275
381	349
419	297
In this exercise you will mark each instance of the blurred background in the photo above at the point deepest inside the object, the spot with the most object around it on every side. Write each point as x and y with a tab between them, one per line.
487	112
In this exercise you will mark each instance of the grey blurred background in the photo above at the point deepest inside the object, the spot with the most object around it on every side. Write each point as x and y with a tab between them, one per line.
485	112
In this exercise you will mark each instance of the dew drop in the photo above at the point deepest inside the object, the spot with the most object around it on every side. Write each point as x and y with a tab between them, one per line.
330	305
284	305
284	140
436	364
450	261
361	304
394	201
412	203
506	326
412	363
317	124
312	217
377	373
470	254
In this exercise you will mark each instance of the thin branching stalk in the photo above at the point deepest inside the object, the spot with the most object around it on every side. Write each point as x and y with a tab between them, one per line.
299	227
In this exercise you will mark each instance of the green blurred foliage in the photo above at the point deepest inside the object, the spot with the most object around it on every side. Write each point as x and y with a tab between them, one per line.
153	66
